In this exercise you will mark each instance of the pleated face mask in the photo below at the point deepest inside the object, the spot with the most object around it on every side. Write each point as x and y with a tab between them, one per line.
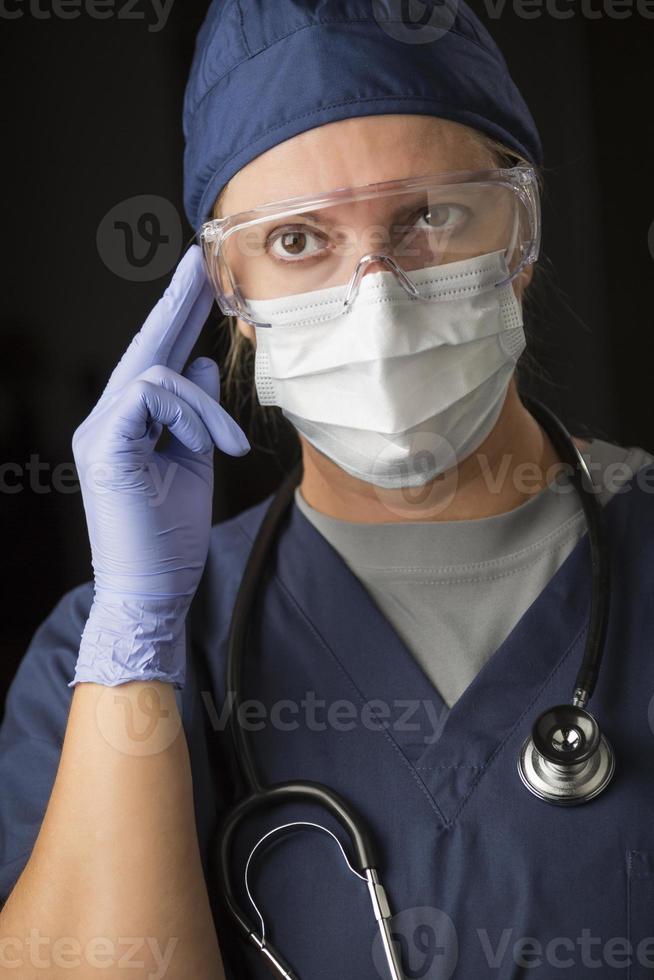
399	388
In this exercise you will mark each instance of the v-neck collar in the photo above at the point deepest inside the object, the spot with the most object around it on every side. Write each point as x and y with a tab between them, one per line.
449	749
463	546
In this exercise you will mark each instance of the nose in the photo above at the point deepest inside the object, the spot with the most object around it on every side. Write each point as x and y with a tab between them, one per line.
371	264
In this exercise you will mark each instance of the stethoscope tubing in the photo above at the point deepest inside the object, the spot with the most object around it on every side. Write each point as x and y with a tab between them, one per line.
260	796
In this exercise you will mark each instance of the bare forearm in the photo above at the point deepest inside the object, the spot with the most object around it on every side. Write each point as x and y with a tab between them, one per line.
116	864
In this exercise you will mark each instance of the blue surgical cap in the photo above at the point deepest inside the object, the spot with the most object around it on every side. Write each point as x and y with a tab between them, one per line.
266	70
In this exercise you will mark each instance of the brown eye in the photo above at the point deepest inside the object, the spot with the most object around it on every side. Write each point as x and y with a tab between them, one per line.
295	244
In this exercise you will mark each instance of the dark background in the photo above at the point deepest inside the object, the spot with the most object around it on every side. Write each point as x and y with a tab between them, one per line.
92	117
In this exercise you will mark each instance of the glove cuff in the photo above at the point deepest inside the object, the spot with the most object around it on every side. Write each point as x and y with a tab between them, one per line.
131	638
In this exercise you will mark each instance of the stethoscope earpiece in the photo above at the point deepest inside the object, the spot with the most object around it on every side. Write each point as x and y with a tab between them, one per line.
566	759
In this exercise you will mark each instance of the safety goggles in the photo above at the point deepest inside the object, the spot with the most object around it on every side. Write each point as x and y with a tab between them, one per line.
407	227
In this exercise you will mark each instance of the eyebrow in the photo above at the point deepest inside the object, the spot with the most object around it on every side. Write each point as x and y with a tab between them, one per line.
318	216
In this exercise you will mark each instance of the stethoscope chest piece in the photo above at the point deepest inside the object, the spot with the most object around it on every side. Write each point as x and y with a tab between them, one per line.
566	759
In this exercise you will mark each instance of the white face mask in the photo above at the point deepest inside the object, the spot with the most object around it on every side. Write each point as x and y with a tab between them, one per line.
397	390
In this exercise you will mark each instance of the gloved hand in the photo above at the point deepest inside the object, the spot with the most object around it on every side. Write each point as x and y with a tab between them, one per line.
149	513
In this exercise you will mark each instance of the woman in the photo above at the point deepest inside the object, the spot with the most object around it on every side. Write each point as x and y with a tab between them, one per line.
426	597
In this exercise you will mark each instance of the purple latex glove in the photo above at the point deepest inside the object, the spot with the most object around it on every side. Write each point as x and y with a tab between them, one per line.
149	513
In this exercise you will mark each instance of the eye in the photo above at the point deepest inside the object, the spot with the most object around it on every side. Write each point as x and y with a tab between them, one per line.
445	217
294	244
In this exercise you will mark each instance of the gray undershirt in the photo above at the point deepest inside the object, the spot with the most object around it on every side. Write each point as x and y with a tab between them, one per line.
454	590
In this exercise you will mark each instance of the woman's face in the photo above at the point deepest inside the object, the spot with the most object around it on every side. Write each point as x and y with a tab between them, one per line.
361	150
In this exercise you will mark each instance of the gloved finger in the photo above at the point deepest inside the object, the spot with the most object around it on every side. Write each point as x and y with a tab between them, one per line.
155	431
187	410
225	431
185	341
182	309
203	372
144	403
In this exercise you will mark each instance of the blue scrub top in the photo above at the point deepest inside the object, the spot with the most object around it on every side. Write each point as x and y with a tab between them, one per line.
484	879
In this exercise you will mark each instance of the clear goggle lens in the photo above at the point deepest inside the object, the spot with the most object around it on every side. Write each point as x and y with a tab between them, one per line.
273	254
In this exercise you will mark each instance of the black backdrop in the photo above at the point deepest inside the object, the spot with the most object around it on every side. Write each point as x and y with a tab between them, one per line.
92	118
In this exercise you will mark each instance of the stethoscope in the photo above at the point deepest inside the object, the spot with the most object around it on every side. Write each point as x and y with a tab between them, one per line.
565	760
